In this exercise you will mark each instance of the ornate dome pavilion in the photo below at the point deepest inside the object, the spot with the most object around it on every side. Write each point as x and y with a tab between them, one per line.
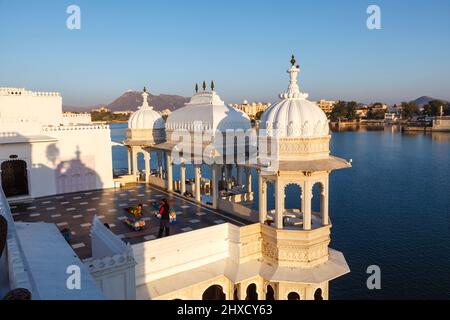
295	116
145	126
145	117
297	127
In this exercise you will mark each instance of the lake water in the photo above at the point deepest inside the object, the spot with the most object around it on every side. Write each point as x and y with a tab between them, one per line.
391	209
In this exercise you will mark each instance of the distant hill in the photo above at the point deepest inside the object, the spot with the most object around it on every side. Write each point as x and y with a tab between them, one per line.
420	102
131	100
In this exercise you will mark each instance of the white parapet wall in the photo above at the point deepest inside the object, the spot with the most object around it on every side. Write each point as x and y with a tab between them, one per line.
22	105
167	256
70	118
12	262
112	264
238	210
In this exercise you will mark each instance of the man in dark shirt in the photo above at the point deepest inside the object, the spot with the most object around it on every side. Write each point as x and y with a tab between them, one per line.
164	225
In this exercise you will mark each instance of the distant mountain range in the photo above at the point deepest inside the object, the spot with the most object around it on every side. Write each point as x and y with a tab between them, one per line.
131	100
420	102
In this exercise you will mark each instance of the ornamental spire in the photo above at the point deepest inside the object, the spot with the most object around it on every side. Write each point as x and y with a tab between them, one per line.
204	85
196	88
293	91
145	99
212	85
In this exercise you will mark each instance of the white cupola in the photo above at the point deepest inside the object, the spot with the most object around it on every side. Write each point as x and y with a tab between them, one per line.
145	117
295	116
146	126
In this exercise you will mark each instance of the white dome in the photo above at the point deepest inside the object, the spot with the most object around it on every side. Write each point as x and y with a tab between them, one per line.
145	117
206	111
295	116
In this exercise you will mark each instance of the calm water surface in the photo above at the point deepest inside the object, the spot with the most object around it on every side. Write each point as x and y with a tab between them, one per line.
392	209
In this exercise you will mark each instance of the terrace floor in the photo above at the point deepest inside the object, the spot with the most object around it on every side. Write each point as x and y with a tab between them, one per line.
76	212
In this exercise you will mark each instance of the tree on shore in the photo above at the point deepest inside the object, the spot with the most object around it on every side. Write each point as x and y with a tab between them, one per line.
409	110
109	116
376	114
344	110
433	108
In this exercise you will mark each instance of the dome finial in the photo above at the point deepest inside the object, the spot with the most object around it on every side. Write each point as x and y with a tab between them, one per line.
212	85
196	88
145	98
293	91
204	85
293	60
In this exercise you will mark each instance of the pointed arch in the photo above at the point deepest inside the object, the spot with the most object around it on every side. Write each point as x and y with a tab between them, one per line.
214	292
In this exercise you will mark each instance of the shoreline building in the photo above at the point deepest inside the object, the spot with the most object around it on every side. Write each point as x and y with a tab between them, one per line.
326	106
38	142
253	251
251	109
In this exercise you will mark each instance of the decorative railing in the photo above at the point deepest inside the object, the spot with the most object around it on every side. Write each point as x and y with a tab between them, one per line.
24	92
75	128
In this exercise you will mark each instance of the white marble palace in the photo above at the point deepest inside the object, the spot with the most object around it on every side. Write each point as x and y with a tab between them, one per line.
282	253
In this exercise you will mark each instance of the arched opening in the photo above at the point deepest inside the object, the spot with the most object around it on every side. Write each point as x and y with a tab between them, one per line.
252	294
270	294
270	203
14	178
293	194
316	205
293	206
293	296
141	166
318	294
214	292
206	174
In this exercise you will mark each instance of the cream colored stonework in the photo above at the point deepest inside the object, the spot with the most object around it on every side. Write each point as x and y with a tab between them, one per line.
233	258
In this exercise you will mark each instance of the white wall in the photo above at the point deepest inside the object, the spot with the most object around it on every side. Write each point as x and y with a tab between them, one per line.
112	264
88	147
238	210
53	152
20	104
76	118
91	144
163	257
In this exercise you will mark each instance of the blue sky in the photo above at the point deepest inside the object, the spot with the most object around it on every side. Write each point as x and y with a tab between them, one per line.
245	46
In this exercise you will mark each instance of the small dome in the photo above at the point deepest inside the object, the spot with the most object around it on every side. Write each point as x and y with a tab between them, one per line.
206	111
295	116
145	117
